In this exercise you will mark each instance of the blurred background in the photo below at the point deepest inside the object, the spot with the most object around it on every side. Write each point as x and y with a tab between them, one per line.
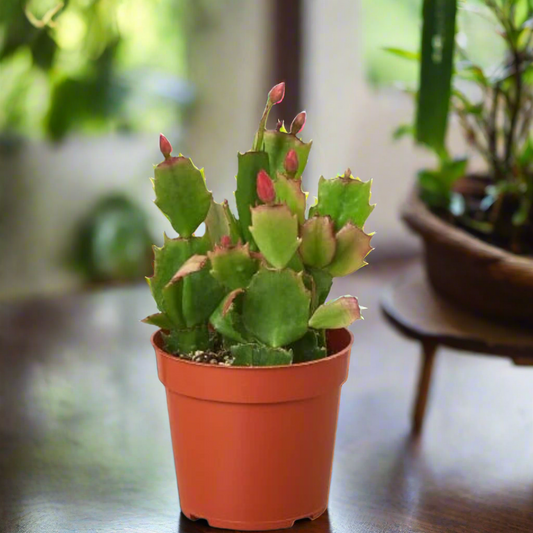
87	85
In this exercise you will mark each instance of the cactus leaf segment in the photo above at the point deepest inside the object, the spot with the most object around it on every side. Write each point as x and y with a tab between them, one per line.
249	165
344	199
181	194
221	223
318	242
353	245
233	267
277	144
276	307
339	313
251	354
289	192
275	231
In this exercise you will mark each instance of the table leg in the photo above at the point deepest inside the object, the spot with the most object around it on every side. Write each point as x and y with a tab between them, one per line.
429	349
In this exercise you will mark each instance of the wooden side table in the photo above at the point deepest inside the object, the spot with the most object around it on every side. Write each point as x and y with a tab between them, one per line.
412	306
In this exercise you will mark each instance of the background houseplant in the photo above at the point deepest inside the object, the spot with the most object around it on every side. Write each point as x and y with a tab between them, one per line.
248	298
478	229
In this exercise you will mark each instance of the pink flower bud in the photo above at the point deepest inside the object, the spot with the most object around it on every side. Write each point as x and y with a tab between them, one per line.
298	123
165	146
265	187
276	94
291	162
225	241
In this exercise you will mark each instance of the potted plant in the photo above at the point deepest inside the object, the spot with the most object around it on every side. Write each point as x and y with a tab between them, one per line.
252	356
477	228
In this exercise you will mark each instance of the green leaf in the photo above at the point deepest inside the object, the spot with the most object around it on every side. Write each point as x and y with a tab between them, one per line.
250	164
344	199
339	313
318	242
187	341
289	192
436	185
405	54
403	130
233	267
220	222
181	194
227	317
353	245
259	355
276	307
309	348
201	294
160	320
522	214
438	41
275	231
323	282
469	71
277	144
167	261
525	158
193	264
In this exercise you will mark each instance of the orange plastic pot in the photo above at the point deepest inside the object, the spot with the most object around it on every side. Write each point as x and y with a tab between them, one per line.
253	446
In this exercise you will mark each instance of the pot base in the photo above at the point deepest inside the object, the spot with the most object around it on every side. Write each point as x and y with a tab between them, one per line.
253	526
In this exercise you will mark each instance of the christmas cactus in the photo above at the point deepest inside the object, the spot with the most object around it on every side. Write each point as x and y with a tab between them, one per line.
252	290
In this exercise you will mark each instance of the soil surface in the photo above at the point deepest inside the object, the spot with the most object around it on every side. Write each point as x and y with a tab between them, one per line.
223	358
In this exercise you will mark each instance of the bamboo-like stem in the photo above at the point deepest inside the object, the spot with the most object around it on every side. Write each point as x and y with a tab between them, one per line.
515	109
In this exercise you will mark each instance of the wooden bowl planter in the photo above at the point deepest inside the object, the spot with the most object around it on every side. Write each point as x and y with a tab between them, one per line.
470	273
253	446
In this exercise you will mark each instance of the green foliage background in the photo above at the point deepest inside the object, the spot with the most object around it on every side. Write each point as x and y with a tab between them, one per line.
96	65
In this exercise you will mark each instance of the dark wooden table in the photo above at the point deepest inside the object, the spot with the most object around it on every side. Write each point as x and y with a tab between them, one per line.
85	444
412	306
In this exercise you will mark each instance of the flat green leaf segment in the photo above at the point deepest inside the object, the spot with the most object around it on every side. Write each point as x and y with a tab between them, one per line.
277	144
227	318
275	231
438	41
189	300
352	246
252	354
344	199
250	164
188	340
276	307
318	242
167	261
220	222
339	313
233	267
323	281
289	192
310	347
200	294
181	194
160	320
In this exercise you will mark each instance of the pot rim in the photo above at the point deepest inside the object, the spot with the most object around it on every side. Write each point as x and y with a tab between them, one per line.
431	227
256	384
156	343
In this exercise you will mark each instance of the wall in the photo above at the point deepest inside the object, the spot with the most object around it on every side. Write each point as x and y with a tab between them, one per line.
46	189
